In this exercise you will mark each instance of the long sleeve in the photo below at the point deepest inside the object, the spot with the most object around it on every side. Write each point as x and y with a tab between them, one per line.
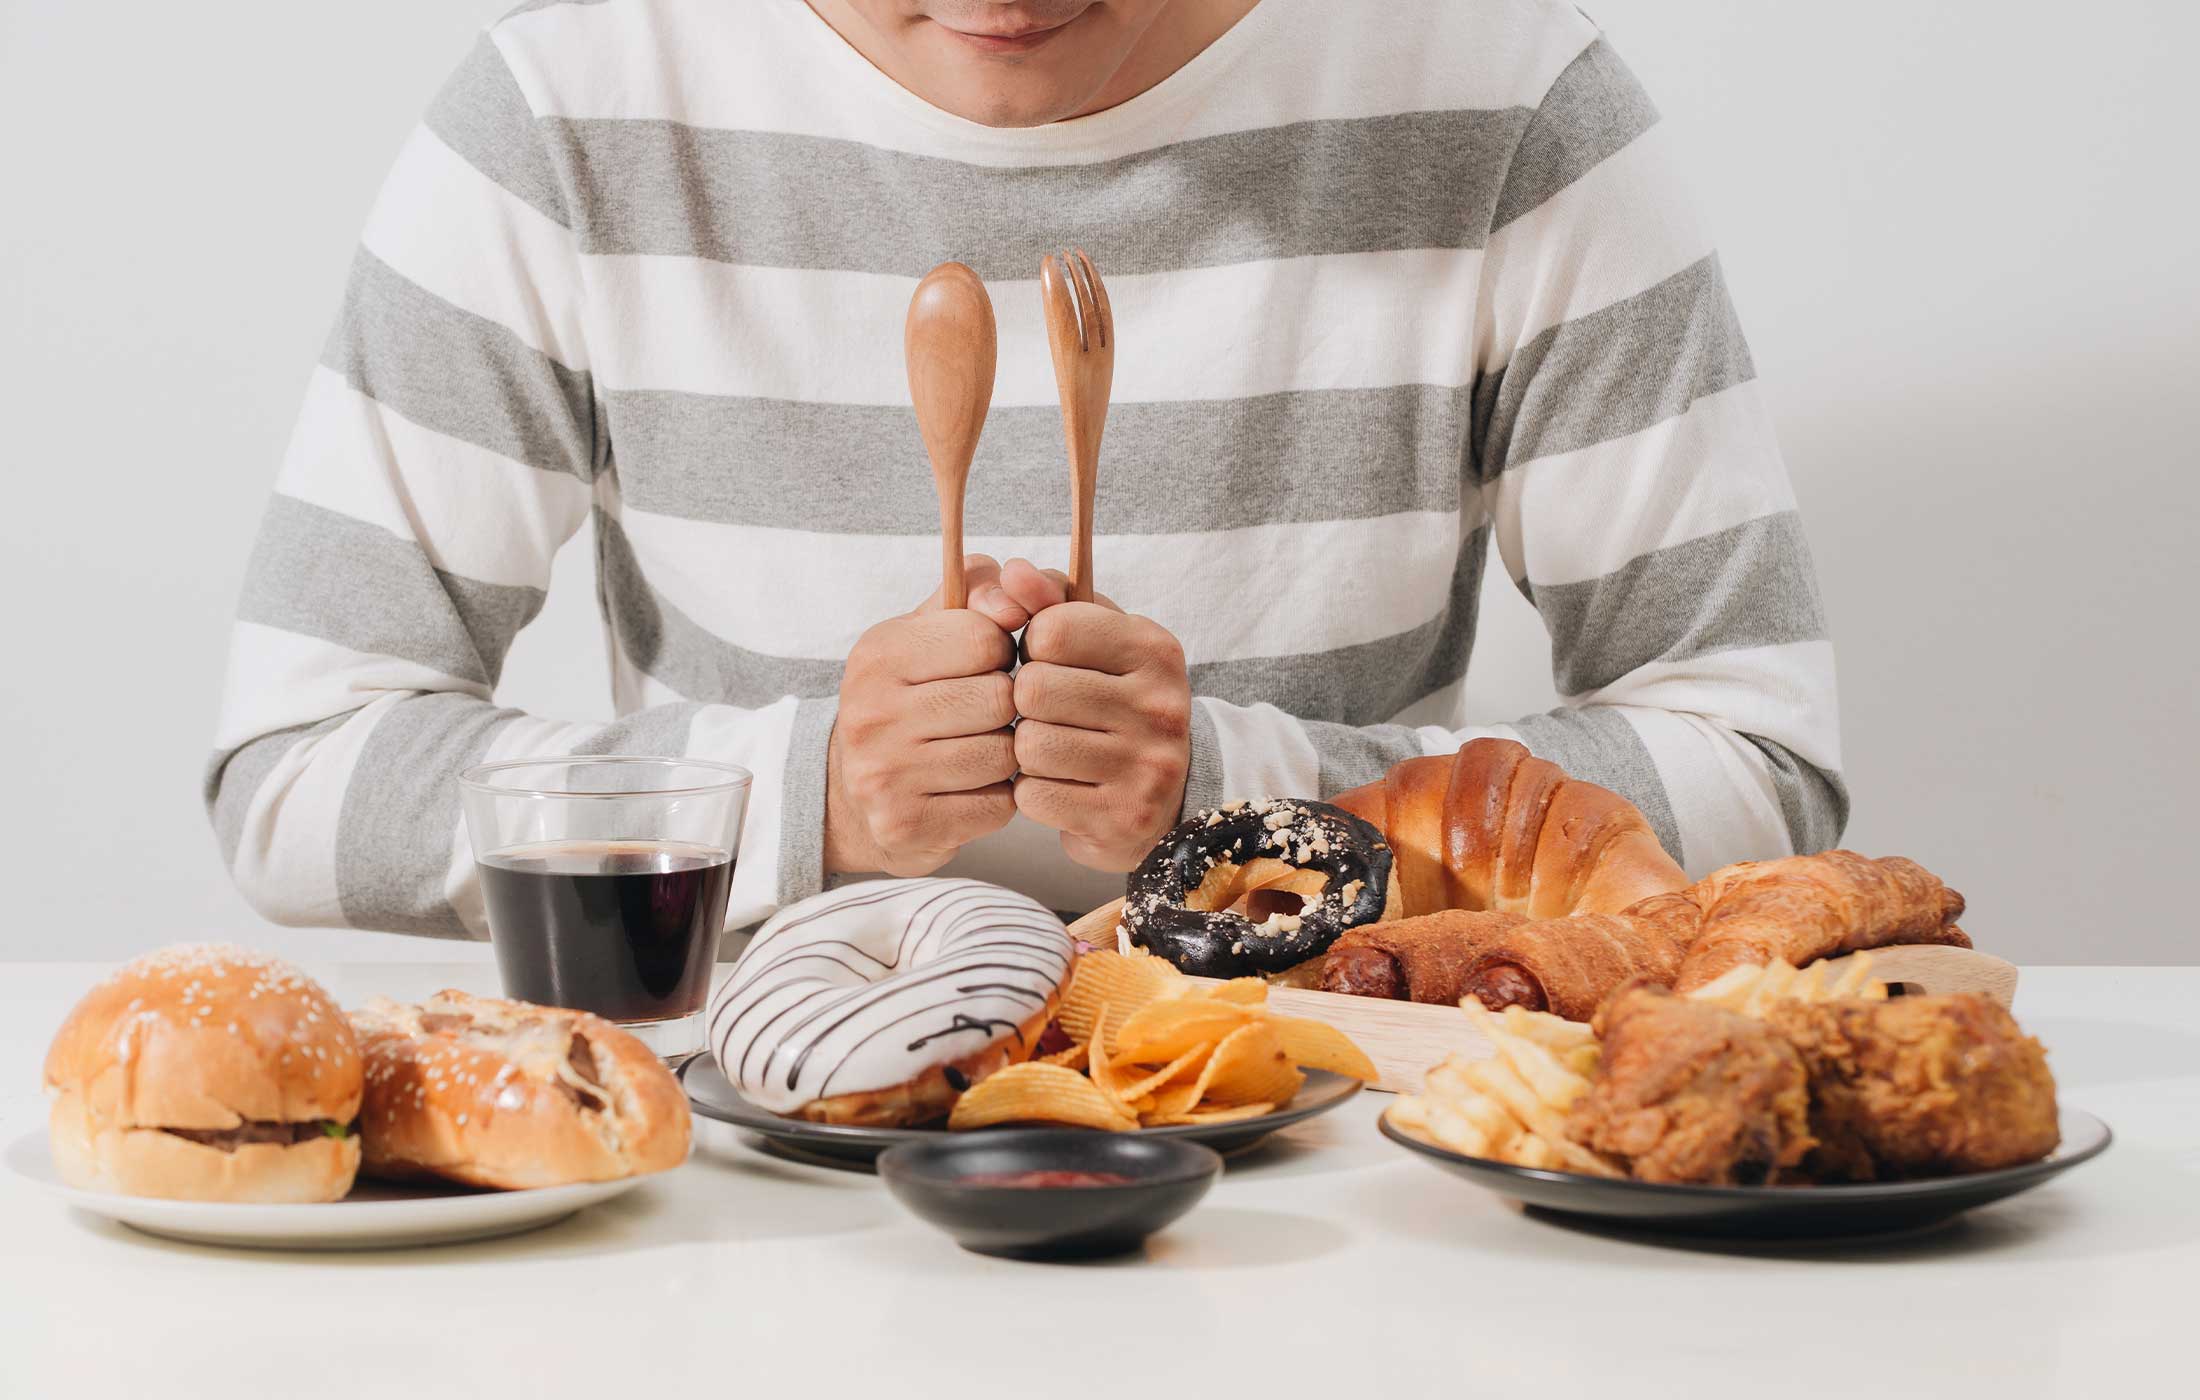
1627	471
450	442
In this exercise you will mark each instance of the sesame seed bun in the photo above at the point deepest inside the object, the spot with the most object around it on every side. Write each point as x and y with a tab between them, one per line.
509	1094
206	1073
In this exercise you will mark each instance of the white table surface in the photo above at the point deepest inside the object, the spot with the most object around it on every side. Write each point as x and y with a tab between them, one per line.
1331	1263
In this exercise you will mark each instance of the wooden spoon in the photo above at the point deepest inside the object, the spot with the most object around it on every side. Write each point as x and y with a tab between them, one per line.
950	344
1081	333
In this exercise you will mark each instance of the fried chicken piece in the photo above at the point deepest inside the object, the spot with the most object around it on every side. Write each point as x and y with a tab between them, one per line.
1920	1086
1690	1092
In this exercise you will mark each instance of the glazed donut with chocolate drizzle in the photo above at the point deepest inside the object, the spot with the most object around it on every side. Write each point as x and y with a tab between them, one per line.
879	1003
1269	855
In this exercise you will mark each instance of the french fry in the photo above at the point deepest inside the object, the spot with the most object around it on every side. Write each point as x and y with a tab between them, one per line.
1753	990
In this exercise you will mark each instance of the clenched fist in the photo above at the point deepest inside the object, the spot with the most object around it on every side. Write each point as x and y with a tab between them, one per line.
921	753
1103	735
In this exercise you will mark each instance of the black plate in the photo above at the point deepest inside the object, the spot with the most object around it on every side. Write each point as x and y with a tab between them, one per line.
1768	1212
1167	1178
713	1096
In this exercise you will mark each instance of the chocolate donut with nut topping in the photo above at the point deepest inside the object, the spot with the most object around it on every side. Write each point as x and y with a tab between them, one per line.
1178	901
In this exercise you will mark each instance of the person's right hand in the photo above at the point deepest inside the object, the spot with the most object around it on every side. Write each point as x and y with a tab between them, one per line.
921	753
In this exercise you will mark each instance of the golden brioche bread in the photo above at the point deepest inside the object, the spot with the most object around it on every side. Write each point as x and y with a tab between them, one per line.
1493	828
204	1072
509	1094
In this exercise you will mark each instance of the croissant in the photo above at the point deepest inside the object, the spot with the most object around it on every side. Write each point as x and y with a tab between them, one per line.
1807	907
1493	828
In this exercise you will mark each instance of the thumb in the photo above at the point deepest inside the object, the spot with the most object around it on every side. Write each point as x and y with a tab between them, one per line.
1034	589
981	584
1039	589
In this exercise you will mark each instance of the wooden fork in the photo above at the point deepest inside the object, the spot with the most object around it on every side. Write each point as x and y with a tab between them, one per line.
1081	333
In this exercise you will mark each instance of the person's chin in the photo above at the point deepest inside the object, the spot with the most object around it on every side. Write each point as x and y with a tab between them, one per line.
1017	89
998	99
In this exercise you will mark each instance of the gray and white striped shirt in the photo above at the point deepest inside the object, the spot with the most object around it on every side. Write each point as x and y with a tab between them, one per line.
1387	293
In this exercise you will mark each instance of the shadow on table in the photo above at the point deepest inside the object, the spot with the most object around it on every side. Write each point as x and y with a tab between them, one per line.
677	1210
2133	1200
1210	1238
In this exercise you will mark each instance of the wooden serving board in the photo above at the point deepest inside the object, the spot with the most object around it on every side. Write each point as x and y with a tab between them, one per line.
1406	1039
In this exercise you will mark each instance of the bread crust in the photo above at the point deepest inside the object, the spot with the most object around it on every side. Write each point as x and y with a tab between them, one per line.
1492	827
206	1038
511	1095
154	1162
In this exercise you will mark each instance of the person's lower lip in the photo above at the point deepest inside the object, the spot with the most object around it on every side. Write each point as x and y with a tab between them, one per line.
1008	43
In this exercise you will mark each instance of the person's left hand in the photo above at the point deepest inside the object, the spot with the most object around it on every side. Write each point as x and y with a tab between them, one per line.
1103	729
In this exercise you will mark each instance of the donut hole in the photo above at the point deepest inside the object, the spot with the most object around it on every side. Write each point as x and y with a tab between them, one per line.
1259	889
1259	906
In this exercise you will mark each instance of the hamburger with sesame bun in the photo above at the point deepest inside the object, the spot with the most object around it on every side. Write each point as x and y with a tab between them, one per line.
206	1073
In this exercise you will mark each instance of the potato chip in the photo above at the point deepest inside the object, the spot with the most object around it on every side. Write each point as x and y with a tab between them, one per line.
1249	1066
1174	1099
1251	991
1184	1068
1160	1031
1096	1058
1318	1045
1033	1092
1123	981
1237	1113
1072	1058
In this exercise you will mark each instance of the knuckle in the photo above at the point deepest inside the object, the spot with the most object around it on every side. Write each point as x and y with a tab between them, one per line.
1162	647
1166	715
1031	799
1030	743
1045	633
898	828
1034	688
999	699
996	759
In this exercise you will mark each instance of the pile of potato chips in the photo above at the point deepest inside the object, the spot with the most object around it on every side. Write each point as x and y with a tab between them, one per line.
1153	1046
1512	1106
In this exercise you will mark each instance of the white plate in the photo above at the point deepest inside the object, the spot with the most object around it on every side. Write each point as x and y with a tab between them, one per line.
376	1215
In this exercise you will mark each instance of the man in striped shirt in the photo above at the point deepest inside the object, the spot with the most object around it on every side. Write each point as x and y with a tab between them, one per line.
1389	289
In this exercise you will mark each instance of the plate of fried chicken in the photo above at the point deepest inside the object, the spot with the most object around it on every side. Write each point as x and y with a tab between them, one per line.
1766	1107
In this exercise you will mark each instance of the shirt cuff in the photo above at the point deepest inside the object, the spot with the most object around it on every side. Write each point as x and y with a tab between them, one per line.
802	801
1203	781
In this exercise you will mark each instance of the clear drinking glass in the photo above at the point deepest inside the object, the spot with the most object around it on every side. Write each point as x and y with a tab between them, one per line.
606	880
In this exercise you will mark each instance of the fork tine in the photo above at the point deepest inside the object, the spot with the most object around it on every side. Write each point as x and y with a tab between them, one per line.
1089	333
1053	286
1105	315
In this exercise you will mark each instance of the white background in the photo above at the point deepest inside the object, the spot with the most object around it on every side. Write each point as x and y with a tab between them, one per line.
1962	236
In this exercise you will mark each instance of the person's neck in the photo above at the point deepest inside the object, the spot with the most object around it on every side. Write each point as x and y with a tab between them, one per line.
1179	34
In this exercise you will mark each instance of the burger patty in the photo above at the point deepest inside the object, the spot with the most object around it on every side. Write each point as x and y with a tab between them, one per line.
251	1131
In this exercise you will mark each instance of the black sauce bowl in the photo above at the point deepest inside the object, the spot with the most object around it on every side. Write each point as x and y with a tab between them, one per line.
1167	1178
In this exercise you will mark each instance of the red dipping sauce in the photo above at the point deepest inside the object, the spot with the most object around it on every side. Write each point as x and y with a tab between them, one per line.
1044	1180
